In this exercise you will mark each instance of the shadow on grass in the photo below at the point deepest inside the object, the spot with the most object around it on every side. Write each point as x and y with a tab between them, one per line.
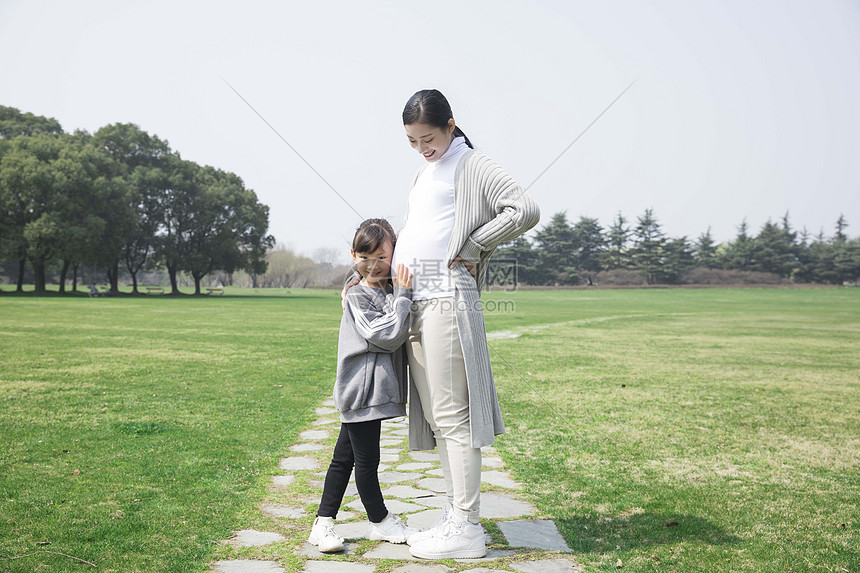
602	534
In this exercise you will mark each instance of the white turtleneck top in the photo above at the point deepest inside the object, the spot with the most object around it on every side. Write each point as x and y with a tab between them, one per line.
423	241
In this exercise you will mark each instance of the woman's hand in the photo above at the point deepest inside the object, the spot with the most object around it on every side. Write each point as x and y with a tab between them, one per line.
354	281
471	267
403	277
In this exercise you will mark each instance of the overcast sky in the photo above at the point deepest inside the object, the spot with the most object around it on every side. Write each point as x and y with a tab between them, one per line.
741	108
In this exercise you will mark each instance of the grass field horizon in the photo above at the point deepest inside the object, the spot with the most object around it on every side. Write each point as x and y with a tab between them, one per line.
672	429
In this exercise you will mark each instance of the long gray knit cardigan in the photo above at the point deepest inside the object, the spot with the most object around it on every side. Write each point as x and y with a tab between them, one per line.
489	208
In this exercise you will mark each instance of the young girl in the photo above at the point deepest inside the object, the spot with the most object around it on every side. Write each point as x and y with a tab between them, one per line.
370	385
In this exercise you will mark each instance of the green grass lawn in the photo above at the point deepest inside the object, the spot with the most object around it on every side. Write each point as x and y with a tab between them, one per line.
675	430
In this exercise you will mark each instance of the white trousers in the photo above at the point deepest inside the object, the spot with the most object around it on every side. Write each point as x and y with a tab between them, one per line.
439	371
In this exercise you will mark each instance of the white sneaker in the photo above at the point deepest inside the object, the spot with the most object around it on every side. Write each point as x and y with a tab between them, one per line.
447	512
324	536
390	529
457	539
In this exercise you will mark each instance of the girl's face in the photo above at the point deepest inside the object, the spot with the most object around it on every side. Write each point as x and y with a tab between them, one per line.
374	268
431	142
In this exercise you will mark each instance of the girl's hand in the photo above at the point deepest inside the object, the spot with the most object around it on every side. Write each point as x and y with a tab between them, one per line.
403	277
471	267
351	283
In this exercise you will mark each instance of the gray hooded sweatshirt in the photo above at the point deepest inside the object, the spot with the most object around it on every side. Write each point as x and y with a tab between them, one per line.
372	381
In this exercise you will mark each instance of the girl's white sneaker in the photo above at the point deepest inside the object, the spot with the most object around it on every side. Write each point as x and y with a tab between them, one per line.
390	529
324	536
447	512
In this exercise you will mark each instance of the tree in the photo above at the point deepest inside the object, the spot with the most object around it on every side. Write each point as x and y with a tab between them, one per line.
772	251
556	259
738	254
177	210
678	258
228	231
648	246
705	251
13	123
589	245
28	180
523	256
142	161
618	237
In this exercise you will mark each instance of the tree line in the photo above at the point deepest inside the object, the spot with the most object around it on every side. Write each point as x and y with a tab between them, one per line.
120	196
583	252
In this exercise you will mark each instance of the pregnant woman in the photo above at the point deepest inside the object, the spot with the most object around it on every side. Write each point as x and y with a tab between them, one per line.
461	206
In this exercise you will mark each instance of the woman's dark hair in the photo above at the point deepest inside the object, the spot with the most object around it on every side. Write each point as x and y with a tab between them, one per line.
431	107
371	234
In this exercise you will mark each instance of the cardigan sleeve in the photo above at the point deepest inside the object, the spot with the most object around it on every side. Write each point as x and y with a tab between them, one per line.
515	211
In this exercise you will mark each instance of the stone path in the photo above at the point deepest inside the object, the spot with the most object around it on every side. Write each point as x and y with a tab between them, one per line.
518	539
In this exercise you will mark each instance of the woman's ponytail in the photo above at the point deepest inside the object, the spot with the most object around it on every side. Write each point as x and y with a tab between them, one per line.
459	133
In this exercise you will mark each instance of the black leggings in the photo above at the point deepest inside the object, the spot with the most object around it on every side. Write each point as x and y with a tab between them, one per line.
357	445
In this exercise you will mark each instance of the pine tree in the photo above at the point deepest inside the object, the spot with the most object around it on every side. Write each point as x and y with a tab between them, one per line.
648	245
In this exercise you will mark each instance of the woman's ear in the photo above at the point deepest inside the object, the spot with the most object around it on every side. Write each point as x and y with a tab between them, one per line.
451	126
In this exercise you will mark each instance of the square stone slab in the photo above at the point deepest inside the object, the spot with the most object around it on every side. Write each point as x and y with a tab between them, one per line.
299	463
424	456
282	511
246	566
492	462
390	442
394	477
536	533
314	435
548	566
389	457
436	472
500	479
424	520
500	506
354	530
308	550
395	451
281	483
405	492
436	501
325	421
336	567
412	466
323	411
329	402
306	447
434	484
386	550
254	538
400	432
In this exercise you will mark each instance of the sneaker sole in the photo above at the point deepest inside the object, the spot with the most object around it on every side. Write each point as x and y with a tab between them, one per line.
461	554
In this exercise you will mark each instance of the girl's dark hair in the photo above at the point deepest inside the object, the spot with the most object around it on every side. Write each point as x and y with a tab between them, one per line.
431	107
371	234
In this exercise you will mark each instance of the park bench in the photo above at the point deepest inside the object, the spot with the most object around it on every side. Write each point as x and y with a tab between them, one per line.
214	290
154	290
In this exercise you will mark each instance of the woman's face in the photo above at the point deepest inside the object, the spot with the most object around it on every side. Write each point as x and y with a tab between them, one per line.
431	142
375	267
